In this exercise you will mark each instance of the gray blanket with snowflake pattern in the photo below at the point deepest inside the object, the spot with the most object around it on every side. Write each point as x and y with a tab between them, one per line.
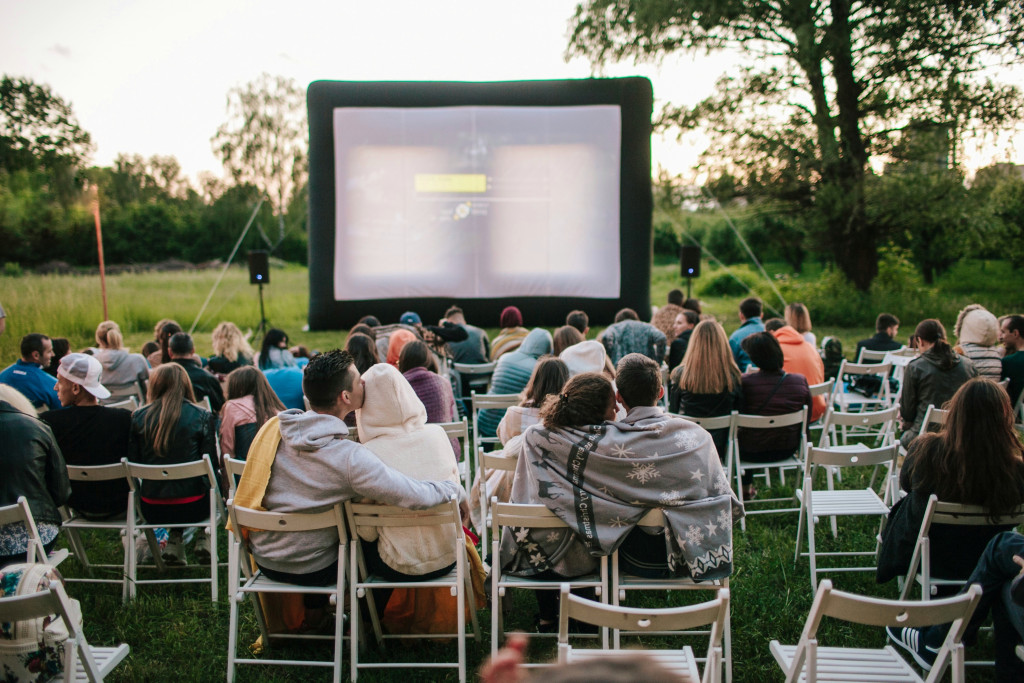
602	479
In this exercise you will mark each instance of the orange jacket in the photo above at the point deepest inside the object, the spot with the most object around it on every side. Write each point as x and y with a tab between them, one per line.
802	358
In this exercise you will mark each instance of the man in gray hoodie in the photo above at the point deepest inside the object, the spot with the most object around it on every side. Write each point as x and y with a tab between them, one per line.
316	467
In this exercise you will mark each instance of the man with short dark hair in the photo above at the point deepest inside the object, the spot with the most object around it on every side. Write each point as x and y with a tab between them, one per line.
476	349
579	320
681	331
887	326
750	323
313	466
182	351
27	374
1011	335
629	335
89	434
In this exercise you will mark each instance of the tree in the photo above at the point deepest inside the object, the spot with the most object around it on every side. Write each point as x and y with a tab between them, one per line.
38	128
263	142
829	84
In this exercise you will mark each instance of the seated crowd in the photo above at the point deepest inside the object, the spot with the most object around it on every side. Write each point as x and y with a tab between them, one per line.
597	436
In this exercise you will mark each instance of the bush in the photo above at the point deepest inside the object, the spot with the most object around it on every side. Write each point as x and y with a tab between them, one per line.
13	269
723	283
666	241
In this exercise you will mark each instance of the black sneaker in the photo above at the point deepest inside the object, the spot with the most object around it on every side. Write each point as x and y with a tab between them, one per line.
912	640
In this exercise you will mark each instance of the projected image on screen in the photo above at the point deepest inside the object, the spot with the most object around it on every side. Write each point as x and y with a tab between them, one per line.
477	202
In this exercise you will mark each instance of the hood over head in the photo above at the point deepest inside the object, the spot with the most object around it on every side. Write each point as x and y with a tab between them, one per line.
390	406
310	431
536	344
587	356
975	325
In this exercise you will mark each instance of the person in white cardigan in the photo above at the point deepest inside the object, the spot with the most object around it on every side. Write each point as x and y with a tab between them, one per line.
393	426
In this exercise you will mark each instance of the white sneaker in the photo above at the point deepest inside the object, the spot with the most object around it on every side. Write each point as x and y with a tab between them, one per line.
201	549
174	551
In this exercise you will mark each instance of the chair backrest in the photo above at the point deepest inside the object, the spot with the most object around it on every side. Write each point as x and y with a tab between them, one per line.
494	401
713	612
896	613
131	403
474	369
845	458
941	512
96	472
880	369
234	468
187	470
458	430
497	460
371	515
20	512
523	515
772	421
262	520
883	420
823	389
45	603
867	356
709	423
934	416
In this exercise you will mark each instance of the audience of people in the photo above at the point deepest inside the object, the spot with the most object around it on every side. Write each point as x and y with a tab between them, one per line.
476	348
682	328
564	337
801	358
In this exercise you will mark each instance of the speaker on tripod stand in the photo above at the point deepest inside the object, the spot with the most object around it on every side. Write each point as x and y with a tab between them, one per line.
259	274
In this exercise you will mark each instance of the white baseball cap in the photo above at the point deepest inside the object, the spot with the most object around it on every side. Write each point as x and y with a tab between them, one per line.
84	370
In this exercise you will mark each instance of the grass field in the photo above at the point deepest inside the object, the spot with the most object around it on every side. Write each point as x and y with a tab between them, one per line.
178	634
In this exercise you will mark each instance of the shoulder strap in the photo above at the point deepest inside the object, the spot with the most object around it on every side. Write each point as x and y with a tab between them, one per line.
771	395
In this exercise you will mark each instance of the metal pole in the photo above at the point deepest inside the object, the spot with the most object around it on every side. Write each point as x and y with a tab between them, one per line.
99	247
263	318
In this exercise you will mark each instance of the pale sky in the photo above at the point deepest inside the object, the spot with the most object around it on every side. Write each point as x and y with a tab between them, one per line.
151	78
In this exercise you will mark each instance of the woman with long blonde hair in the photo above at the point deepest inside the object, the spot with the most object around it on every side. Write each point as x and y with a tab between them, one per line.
121	369
230	348
708	382
169	430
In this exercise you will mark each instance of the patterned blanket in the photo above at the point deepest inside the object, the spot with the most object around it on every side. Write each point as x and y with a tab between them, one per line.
602	479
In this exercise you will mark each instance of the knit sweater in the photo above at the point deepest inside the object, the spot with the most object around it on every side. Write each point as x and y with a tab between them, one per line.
315	468
633	336
512	374
393	426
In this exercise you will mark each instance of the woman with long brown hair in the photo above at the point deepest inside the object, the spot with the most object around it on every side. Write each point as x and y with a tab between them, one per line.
708	382
251	402
975	459
171	430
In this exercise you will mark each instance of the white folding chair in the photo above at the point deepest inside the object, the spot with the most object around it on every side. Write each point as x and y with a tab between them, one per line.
823	389
138	473
519	518
844	503
460	430
245	521
495	460
119	393
488	402
131	403
848	401
939	512
233	468
713	613
798	417
721	422
807	661
622	582
362	583
35	552
477	375
882	423
868	356
82	661
76	523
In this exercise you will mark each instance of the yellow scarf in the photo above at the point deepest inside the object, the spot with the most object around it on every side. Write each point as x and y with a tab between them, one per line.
256	475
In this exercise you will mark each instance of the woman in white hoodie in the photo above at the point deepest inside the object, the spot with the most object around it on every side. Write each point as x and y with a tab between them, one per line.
393	426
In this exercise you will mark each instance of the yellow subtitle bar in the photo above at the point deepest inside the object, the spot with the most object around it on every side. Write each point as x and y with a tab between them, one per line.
451	182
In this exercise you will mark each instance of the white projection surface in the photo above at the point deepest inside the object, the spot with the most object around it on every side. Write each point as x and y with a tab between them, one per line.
477	202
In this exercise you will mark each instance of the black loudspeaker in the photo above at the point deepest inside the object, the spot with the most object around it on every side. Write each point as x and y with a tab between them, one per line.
689	261
259	268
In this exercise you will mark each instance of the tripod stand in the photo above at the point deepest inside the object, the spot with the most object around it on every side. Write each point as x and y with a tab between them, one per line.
262	329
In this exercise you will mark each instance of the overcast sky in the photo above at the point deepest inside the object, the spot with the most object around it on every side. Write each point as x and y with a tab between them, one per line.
151	78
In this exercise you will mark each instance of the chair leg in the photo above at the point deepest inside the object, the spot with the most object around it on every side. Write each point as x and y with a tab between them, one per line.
800	530
78	548
810	541
214	574
232	637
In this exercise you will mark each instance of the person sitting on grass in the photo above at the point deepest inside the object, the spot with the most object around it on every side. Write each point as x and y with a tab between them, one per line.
90	434
301	461
602	476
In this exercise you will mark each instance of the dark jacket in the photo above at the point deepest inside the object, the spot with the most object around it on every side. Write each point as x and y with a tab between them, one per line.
193	437
683	402
203	383
32	465
677	349
773	393
223	366
880	342
926	382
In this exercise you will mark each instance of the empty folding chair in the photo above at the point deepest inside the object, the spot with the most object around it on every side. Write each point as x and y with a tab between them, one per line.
808	661
835	432
842	503
713	613
136	524
253	582
847	400
362	582
518	518
82	662
35	552
621	582
793	462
